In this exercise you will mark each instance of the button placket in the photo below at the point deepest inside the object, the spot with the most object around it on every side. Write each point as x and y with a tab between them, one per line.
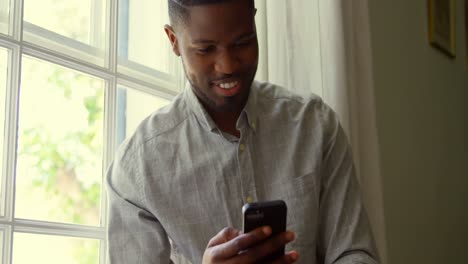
241	147
246	171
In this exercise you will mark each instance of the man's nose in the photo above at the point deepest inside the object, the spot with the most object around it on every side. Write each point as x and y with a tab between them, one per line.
227	63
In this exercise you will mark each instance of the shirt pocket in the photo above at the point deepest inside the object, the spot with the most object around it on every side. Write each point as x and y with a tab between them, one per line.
301	195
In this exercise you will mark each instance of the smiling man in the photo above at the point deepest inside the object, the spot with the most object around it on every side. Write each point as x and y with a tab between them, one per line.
227	140
219	49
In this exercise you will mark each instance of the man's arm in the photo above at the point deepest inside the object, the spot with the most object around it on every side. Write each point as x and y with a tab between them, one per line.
134	234
345	235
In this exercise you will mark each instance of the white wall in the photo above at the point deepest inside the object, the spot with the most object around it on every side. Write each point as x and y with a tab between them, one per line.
422	113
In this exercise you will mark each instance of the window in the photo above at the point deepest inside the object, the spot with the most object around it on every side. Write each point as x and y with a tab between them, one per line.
4	17
144	51
134	106
59	153
3	91
76	78
77	28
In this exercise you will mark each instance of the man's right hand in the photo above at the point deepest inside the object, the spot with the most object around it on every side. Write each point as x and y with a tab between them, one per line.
229	246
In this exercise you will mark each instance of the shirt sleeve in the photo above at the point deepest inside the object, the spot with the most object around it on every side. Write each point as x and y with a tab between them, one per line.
134	234
345	236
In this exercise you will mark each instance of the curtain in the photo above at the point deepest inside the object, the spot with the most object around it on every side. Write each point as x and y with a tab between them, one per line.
323	47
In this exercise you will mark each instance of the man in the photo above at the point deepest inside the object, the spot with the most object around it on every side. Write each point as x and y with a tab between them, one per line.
227	140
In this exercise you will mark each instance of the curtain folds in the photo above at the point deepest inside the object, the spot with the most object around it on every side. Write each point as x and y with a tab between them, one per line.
323	47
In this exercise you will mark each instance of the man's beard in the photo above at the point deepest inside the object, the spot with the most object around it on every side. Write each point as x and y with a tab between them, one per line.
228	106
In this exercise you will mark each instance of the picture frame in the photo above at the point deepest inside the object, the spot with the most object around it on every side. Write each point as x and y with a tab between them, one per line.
466	29
441	16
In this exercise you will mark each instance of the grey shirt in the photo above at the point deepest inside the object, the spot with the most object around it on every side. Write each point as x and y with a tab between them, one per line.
180	179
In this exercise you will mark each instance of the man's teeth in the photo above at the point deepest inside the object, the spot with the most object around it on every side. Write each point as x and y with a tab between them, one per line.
228	85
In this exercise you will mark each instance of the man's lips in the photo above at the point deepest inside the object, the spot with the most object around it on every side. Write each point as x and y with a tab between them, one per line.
228	88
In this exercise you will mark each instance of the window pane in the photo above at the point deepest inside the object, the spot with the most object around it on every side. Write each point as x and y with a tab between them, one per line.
32	248
4	243
144	49
59	163
74	27
2	237
132	107
3	81
146	43
4	16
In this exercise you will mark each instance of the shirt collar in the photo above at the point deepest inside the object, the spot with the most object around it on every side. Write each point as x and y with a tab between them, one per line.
251	107
248	115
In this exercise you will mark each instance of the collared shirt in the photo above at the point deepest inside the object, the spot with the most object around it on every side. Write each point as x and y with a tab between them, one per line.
180	179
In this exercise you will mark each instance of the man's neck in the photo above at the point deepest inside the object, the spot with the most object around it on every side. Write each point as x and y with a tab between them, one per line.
226	121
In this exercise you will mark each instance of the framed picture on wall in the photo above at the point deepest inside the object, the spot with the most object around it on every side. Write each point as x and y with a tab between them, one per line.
466	29
441	15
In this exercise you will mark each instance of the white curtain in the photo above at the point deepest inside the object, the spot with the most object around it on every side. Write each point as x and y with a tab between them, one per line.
323	47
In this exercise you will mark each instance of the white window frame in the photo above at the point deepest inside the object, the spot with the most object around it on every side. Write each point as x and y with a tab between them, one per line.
17	47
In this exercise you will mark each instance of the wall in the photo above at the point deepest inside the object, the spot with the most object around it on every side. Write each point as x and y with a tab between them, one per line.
422	113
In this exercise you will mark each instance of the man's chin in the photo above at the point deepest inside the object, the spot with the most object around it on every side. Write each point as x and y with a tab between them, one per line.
225	108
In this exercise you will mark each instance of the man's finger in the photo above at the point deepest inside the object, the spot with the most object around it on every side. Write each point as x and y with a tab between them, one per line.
266	248
288	258
223	236
244	241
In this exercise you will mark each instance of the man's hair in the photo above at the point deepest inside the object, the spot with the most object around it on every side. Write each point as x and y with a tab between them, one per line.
179	9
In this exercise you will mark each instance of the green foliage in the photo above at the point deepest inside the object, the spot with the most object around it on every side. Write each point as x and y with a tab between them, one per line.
87	253
37	144
62	80
56	160
95	111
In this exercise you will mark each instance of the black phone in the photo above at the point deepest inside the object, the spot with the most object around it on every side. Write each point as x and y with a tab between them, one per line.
269	213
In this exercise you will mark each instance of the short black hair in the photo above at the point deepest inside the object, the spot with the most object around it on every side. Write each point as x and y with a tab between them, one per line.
179	9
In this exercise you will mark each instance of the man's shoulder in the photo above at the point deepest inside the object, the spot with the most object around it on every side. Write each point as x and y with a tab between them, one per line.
274	98
160	123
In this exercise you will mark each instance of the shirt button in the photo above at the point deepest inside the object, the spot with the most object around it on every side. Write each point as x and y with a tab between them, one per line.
241	147
249	199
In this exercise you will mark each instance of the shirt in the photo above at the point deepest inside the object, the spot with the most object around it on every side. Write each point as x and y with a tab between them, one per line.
179	180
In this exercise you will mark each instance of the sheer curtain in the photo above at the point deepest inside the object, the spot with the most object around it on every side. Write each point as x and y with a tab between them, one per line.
323	47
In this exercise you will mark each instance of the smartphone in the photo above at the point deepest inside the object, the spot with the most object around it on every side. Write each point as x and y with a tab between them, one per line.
269	213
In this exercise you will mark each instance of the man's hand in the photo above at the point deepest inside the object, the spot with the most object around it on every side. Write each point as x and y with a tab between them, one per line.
229	246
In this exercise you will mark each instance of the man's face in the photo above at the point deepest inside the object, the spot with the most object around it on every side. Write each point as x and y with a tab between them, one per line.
219	51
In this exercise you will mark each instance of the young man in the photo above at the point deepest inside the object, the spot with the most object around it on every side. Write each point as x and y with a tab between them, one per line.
227	140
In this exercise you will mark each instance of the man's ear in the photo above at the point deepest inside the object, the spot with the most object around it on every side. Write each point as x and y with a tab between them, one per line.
173	39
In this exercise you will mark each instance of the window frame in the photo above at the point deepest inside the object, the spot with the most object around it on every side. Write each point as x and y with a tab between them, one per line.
109	73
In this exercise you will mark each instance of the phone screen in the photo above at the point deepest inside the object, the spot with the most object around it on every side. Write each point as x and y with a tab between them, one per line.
270	213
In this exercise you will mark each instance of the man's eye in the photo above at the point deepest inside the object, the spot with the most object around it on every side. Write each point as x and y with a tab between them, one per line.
204	50
242	43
